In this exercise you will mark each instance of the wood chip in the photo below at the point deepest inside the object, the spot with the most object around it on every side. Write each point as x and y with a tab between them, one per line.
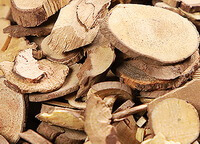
69	33
33	137
141	121
97	122
5	38
105	89
93	68
54	78
140	134
70	85
13	113
34	13
63	117
48	131
127	35
176	119
55	55
20	31
27	67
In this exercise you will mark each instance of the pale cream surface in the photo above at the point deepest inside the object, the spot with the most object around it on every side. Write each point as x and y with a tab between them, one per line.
28	4
154	32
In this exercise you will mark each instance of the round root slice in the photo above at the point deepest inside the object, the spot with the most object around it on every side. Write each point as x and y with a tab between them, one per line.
166	72
176	119
33	13
27	67
105	89
57	55
97	121
54	78
70	85
136	78
71	137
160	38
12	111
63	117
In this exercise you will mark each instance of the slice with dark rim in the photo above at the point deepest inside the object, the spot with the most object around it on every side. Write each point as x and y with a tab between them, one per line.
53	80
138	79
166	72
33	13
12	111
70	85
57	55
159	39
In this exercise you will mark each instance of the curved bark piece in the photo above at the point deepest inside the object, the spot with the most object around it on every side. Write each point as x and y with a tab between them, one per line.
63	117
93	68
72	100
136	78
176	119
68	32
71	137
105	89
97	122
157	40
33	137
166	72
70	85
68	58
14	47
54	78
20	31
33	13
27	67
48	131
12	111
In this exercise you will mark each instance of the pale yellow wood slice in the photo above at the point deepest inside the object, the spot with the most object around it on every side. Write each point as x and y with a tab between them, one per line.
176	119
12	111
35	12
150	32
4	11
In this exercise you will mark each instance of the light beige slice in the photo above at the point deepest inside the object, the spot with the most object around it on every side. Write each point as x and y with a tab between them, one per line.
14	47
68	33
12	111
53	80
100	56
33	13
4	11
70	85
105	89
176	119
33	137
97	122
160	37
27	67
52	54
63	117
